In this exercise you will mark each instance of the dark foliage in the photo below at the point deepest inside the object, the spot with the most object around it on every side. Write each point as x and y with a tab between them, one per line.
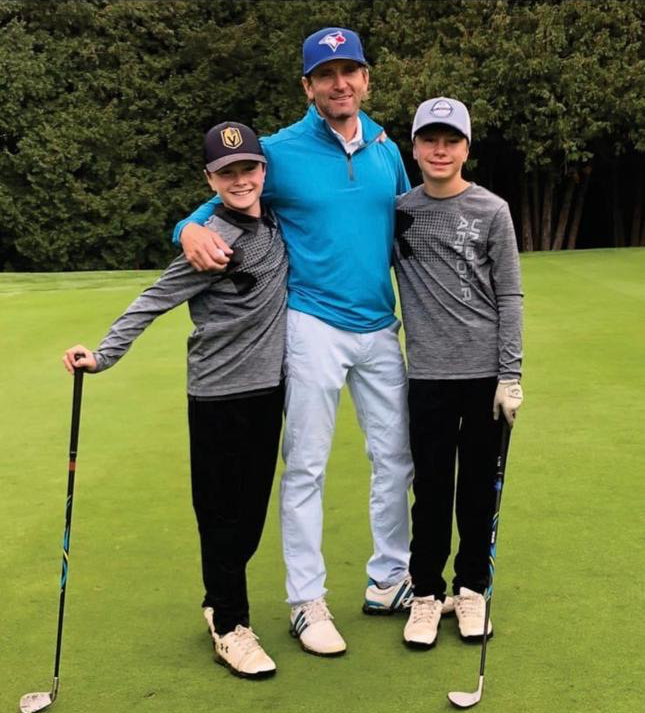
104	104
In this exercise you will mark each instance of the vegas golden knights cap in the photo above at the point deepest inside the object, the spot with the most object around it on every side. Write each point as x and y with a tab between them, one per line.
229	142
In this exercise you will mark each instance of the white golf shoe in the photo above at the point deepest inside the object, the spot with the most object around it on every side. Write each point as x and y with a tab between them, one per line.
396	598
312	623
240	651
470	608
423	623
387	600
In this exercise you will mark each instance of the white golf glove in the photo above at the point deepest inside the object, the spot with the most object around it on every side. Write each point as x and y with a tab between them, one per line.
508	397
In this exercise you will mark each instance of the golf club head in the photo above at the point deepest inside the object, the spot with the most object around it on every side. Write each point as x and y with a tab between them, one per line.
461	699
32	702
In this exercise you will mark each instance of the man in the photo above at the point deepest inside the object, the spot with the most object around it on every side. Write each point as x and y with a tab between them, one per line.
458	272
332	182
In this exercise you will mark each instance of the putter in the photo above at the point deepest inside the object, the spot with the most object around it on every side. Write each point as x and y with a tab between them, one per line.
463	699
32	702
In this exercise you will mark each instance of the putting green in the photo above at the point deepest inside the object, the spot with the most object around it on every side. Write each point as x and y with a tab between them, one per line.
568	596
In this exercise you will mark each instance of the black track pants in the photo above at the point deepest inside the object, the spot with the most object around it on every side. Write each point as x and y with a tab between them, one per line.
452	421
233	453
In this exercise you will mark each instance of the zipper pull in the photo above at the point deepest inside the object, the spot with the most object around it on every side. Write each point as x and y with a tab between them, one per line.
350	166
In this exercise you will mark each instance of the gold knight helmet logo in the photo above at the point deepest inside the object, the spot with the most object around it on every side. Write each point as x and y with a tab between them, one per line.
231	137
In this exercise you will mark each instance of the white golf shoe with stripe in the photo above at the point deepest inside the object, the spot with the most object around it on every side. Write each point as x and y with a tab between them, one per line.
311	622
395	598
387	600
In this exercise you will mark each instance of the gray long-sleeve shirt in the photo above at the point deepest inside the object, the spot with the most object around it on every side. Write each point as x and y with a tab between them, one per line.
457	267
239	315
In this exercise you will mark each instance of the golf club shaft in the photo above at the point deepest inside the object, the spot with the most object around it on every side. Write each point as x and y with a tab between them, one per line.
499	485
73	449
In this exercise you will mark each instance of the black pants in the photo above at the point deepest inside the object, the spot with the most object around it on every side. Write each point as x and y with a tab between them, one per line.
233	453
449	421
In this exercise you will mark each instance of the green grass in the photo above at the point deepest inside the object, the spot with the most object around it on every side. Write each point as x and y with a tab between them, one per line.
569	595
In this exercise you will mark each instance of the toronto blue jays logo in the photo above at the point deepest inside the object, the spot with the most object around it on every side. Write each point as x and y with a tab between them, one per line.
333	40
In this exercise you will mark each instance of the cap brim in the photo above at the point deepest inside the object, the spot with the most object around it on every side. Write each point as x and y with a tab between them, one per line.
232	158
447	124
331	59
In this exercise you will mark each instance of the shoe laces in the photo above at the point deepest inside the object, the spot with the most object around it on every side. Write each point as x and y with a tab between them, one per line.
424	609
469	604
316	610
246	639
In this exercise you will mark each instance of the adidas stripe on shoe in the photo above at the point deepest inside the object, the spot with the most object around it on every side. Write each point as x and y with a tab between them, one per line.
387	600
311	622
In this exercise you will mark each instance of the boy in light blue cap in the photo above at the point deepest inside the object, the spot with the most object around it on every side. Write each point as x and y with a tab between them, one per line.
457	267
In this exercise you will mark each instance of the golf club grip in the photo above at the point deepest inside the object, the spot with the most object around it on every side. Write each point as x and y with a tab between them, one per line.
76	413
503	449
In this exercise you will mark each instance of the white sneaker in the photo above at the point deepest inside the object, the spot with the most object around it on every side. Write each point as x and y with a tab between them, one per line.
396	598
470	608
423	622
388	600
312	623
240	651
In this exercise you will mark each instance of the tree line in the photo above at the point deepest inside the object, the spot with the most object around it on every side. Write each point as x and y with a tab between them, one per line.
104	104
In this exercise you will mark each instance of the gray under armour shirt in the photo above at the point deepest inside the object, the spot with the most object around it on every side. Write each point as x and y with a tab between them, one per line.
239	315
457	267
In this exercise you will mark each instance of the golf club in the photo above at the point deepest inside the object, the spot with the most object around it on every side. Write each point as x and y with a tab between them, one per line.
32	702
463	699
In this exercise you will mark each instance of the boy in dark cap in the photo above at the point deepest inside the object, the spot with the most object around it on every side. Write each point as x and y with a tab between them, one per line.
457	267
235	389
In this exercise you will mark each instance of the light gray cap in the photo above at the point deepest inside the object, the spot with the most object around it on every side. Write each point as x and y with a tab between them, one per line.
442	110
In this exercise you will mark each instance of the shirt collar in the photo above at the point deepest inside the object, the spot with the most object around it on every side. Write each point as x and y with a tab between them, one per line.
354	143
371	130
243	220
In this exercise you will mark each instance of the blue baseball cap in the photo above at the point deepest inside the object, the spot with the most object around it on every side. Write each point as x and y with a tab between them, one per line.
331	43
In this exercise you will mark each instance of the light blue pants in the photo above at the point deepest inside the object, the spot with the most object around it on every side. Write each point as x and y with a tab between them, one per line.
320	359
